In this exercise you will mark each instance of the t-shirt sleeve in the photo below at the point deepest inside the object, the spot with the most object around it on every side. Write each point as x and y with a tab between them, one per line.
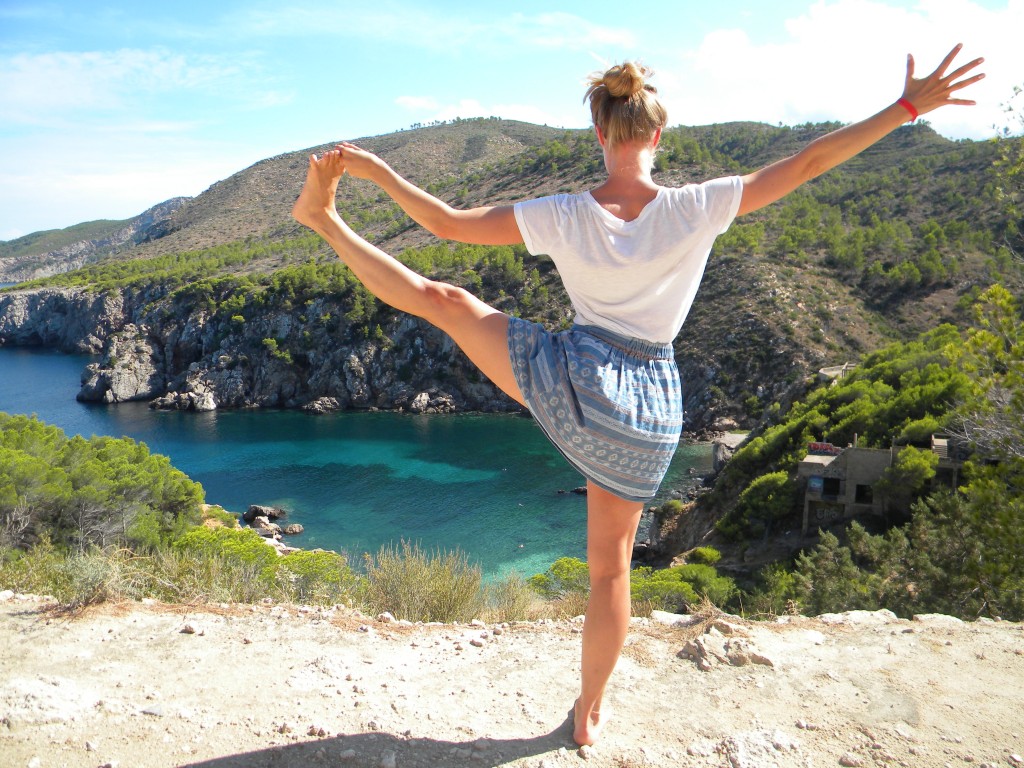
721	198
540	223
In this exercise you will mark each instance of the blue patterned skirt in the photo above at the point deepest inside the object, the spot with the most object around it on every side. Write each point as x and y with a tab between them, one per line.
612	405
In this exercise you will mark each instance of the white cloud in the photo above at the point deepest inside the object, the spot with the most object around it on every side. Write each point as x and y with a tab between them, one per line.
37	87
435	29
564	31
846	60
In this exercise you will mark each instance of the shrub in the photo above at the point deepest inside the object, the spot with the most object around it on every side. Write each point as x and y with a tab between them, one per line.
421	586
316	577
567	575
704	555
241	544
677	588
511	599
37	571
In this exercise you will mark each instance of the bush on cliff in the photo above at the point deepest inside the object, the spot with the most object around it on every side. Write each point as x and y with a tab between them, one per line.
567	581
81	493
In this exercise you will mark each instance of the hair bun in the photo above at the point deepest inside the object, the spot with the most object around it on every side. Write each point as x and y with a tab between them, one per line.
624	107
625	80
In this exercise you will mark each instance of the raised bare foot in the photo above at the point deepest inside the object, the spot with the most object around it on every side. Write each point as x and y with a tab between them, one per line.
316	200
586	728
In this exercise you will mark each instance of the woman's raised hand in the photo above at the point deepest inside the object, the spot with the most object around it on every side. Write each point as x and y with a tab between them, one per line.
359	162
938	89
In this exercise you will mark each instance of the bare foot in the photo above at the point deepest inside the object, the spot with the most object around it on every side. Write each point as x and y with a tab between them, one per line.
316	200
586	728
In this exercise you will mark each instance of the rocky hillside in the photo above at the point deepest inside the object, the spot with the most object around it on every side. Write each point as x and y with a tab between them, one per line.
42	254
221	302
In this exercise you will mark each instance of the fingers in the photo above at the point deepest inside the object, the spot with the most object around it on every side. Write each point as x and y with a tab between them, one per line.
949	59
331	160
965	83
965	69
936	89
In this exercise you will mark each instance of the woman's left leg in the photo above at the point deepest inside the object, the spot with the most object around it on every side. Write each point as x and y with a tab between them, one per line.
611	530
479	330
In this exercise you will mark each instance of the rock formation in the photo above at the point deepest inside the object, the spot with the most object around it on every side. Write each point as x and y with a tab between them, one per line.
184	358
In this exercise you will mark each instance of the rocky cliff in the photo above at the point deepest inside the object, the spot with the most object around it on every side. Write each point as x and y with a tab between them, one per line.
198	360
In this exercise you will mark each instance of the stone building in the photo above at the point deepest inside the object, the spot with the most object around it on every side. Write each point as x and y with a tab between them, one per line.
839	483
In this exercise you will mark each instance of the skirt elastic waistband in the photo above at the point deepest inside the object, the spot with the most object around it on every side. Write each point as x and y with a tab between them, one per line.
651	350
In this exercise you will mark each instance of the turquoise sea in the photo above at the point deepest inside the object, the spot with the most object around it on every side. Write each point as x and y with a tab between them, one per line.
488	484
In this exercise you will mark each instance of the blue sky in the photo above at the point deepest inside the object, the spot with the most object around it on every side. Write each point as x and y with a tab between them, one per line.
112	107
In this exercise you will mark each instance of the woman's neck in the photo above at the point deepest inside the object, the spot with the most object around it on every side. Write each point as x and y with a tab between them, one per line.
629	166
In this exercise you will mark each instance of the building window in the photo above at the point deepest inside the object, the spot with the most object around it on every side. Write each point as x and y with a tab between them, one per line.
831	487
864	495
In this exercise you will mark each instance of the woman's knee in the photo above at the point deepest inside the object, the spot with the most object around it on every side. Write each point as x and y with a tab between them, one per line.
607	570
446	302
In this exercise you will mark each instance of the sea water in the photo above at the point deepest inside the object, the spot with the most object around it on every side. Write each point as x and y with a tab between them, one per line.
490	485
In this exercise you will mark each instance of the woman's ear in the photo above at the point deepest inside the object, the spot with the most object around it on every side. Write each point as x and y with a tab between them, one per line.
600	136
656	139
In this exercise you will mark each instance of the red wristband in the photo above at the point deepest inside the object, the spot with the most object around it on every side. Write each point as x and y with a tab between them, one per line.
909	107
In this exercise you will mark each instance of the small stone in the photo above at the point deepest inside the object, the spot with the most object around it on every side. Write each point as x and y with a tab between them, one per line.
373	725
1016	759
386	617
192	629
347	756
90	746
586	752
35	762
850	761
154	711
388	759
477	643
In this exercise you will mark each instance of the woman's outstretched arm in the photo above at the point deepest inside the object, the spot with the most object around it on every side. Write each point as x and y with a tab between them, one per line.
929	93
488	225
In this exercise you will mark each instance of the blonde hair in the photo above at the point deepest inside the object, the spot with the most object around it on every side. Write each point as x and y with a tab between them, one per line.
623	105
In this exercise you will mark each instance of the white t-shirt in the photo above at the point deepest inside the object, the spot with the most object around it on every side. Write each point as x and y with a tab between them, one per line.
636	278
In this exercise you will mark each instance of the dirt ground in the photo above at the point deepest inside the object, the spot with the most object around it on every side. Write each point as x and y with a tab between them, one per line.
146	685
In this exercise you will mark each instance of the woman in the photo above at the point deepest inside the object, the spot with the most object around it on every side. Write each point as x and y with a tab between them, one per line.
631	255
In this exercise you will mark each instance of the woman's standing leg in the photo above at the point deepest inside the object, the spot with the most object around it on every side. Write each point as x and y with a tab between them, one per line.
611	530
478	329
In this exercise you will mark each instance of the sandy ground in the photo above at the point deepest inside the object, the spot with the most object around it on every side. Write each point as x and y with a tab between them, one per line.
142	685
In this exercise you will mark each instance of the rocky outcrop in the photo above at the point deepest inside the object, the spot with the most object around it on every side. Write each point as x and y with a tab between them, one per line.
134	369
259	510
68	319
183	358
